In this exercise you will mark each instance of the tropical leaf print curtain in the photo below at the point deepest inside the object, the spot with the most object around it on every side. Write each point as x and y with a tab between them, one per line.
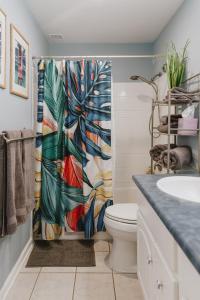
73	152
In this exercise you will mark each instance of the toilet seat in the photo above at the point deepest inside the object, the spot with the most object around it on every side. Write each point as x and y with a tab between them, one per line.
123	213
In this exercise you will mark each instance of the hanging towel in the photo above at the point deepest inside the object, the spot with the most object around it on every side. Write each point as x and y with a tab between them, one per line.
2	186
15	198
179	157
156	151
28	171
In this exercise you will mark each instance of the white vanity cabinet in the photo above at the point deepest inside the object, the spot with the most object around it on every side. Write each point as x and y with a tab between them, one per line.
164	271
157	254
144	260
157	280
189	278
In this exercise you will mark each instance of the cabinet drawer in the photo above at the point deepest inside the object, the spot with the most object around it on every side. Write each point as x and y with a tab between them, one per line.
162	236
189	279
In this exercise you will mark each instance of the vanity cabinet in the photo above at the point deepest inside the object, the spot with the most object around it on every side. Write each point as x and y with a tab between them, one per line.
164	271
189	278
157	280
144	260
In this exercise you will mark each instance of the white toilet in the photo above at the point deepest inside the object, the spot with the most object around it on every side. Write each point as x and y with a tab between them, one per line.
121	223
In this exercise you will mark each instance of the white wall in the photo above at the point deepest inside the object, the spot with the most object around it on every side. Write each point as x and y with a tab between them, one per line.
16	113
131	109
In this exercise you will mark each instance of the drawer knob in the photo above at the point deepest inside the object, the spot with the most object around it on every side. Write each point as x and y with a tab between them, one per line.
159	285
149	260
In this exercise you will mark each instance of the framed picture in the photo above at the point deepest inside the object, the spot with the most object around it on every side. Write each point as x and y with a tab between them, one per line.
19	64
2	50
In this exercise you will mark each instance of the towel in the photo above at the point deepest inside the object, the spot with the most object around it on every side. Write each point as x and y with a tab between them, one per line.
28	172
164	128
179	94
15	198
157	150
173	119
2	186
179	157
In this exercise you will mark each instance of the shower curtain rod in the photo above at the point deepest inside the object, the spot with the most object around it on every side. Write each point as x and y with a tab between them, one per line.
97	56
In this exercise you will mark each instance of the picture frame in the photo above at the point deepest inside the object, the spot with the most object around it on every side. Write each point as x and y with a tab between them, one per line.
19	64
3	29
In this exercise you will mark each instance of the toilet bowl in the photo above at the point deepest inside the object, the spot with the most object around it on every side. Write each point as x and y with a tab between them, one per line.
121	223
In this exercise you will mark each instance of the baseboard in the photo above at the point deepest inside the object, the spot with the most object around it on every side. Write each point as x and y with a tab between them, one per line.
16	269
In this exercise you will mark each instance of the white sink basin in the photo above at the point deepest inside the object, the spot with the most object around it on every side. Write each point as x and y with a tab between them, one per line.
182	187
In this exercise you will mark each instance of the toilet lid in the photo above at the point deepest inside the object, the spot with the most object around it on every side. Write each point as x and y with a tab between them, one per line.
125	212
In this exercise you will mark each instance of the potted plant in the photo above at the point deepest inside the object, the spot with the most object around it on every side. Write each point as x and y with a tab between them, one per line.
176	65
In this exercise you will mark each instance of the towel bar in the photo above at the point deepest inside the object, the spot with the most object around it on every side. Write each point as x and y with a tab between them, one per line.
19	139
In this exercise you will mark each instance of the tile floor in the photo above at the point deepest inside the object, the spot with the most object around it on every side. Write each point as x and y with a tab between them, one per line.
94	283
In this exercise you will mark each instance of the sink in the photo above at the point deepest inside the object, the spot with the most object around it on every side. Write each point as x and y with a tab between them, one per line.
182	187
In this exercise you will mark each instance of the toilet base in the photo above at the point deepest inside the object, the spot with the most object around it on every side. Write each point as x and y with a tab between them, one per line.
123	256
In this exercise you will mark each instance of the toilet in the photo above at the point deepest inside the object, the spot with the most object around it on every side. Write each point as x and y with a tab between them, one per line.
121	223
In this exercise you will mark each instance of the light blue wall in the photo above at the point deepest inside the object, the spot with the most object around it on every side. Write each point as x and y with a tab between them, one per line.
184	25
16	113
122	68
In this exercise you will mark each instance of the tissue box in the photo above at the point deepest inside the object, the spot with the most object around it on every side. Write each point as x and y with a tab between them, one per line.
187	123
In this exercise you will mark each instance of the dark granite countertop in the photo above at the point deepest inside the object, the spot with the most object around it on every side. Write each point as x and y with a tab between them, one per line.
182	218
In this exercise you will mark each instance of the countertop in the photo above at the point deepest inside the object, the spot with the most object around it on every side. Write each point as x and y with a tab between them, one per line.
182	218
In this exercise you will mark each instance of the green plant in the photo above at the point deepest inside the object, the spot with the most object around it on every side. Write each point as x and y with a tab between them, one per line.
176	65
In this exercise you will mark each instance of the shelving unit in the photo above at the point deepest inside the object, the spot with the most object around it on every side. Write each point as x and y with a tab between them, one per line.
175	100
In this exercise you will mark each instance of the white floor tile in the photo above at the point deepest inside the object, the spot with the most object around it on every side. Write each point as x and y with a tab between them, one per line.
22	287
101	265
94	287
58	270
101	246
127	287
30	270
54	286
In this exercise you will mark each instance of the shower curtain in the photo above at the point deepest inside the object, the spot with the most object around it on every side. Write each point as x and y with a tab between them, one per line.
73	181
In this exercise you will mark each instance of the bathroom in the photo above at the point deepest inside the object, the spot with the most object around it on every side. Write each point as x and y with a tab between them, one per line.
110	182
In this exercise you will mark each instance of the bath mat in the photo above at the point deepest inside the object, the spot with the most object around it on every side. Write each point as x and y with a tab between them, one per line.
62	253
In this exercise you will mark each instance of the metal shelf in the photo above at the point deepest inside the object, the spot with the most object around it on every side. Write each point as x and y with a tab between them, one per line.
175	99
155	130
173	102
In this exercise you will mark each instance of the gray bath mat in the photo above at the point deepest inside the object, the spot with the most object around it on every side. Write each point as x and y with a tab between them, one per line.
62	253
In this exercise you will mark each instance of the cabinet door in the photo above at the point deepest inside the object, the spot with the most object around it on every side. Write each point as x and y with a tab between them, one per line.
189	279
144	260
165	284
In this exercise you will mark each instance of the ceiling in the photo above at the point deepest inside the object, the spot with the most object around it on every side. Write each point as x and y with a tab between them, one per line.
104	21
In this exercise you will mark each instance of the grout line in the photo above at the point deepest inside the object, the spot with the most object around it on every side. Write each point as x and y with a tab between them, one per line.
35	283
114	286
115	295
74	284
55	273
97	272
